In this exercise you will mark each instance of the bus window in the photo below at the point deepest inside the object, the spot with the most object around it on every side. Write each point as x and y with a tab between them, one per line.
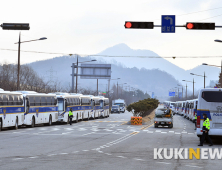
55	101
43	101
37	101
1	100
31	101
10	99
49	100
5	100
212	96
60	104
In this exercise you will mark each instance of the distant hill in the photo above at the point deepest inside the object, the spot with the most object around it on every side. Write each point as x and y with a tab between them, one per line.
180	74
147	74
59	69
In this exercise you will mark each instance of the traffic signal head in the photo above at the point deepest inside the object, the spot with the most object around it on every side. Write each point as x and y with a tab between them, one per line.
15	26
138	25
200	26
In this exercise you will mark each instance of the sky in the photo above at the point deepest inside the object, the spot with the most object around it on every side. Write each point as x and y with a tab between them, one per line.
89	27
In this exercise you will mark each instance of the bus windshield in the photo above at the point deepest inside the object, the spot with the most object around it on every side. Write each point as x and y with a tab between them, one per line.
60	105
120	104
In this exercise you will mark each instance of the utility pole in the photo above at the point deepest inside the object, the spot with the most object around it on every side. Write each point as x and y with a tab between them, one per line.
186	91
18	83
182	92
97	87
204	79
73	79
77	63
117	89
193	88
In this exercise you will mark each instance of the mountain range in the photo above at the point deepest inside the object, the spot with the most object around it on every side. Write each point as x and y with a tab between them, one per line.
138	71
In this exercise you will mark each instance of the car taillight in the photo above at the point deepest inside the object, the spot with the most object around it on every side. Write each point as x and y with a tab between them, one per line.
156	122
198	121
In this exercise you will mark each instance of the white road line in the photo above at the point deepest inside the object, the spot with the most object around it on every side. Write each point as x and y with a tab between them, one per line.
177	133
193	166
150	132
17	159
63	153
163	132
85	150
138	159
121	156
171	131
33	157
88	133
52	155
163	162
108	154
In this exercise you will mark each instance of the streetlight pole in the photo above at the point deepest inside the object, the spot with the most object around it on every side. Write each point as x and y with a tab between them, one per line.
204	76
19	45
18	61
193	87
77	63
117	90
73	72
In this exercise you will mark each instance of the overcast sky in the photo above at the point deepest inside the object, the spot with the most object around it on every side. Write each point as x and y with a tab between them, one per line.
90	26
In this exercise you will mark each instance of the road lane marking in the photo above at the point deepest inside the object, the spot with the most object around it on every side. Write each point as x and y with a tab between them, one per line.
193	166
121	156
17	159
163	162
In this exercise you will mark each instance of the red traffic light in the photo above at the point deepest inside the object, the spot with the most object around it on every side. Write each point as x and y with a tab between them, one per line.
138	25
200	26
190	26
128	25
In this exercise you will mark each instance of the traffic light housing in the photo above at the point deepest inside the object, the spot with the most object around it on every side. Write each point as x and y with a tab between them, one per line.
15	26
138	25
200	26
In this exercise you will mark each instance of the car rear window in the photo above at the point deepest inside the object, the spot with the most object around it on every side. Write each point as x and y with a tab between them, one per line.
212	96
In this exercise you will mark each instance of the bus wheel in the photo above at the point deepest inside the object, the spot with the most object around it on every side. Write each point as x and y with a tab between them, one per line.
0	124
50	120
33	122
16	123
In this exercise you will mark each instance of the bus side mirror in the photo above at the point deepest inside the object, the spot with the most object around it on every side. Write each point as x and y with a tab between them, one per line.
28	103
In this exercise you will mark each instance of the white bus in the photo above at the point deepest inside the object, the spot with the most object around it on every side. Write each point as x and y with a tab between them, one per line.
183	112
11	109
65	103
106	107
210	102
179	107
192	109
39	108
86	107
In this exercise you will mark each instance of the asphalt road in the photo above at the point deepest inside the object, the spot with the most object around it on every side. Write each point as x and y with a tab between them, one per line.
99	144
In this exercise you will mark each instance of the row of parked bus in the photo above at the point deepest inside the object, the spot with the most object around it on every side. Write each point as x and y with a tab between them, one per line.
209	102
31	108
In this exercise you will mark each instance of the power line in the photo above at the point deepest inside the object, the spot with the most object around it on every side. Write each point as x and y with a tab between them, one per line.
210	17
196	12
115	56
